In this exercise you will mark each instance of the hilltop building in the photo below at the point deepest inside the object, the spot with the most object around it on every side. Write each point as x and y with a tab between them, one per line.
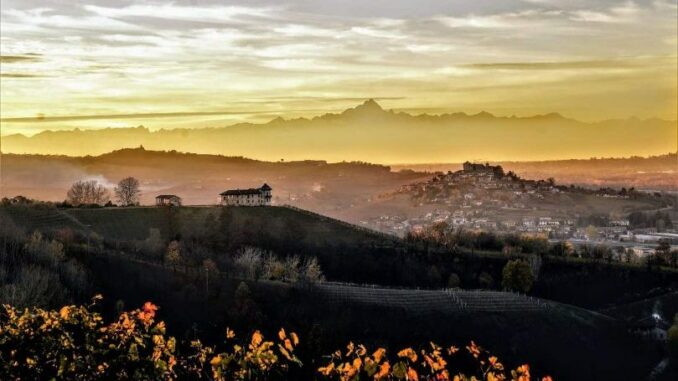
167	200
484	168
247	197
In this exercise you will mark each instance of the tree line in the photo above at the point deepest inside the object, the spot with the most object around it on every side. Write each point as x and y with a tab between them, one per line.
91	192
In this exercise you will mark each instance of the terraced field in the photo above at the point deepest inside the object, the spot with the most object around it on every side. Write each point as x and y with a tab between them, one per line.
134	223
122	223
40	218
428	301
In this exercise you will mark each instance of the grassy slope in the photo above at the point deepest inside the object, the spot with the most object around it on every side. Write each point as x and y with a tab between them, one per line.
42	218
134	223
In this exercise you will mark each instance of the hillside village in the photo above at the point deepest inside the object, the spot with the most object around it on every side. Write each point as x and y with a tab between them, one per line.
484	197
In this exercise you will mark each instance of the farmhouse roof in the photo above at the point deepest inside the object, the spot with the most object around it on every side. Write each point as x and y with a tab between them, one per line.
166	196
239	192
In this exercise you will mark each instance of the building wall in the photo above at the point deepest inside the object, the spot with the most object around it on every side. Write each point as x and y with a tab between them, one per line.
246	199
167	201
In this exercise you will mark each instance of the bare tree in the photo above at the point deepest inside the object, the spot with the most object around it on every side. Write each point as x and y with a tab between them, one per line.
291	265
127	192
311	271
273	268
249	262
173	254
87	192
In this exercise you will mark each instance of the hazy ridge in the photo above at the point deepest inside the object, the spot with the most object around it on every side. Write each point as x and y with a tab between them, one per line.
369	133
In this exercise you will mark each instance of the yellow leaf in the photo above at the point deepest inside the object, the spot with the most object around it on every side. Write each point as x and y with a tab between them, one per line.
215	360
257	338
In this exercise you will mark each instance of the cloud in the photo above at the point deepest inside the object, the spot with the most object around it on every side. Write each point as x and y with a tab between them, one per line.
185	13
47	18
125	58
151	115
626	13
21	58
600	64
20	75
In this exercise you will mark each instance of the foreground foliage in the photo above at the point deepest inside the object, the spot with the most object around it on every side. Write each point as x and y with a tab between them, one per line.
74	343
430	363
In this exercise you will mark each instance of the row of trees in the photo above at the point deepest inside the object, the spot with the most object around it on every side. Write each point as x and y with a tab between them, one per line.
658	220
443	235
517	275
255	263
90	192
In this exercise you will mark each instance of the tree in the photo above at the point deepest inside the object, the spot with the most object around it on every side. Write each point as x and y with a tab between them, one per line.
311	271
485	280
602	252
562	249
249	262
517	275
43	251
663	251
273	268
619	253
87	192
591	232
173	253
291	265
630	256
662	255
672	340
453	281
673	258
34	286
245	308
127	192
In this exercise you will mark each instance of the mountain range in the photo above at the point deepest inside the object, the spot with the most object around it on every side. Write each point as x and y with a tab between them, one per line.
370	133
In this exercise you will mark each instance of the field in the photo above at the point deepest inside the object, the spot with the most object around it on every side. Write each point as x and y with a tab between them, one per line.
134	223
42	218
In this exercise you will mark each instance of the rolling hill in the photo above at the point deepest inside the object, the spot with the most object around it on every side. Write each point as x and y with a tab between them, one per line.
515	327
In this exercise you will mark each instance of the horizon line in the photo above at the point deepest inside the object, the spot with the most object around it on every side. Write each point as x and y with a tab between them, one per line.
41	118
399	164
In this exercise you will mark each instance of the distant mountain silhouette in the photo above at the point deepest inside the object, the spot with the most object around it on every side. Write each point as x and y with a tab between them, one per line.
368	132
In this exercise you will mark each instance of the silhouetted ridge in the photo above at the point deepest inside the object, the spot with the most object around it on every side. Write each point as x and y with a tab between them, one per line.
369	108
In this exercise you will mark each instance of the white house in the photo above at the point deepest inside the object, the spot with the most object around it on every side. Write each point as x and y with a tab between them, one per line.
247	197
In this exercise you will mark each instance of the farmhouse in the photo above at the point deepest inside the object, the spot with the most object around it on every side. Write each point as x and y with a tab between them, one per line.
247	197
167	200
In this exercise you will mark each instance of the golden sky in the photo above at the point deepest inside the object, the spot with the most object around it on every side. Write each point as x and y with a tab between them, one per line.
213	63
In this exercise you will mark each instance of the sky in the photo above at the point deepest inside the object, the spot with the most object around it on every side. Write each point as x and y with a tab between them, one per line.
94	64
